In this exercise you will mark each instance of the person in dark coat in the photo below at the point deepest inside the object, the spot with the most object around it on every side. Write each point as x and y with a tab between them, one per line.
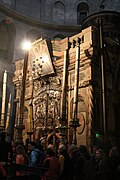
114	156
5	149
89	169
77	163
103	169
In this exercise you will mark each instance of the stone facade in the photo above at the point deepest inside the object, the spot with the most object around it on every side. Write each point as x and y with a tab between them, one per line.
47	88
56	88
56	20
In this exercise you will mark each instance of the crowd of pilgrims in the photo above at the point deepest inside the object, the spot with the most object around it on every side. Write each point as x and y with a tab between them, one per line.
65	163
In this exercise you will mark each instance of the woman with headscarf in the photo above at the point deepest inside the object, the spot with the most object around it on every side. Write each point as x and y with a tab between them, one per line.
21	158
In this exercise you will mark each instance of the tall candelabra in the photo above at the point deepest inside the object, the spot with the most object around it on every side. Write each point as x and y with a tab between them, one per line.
20	126
74	123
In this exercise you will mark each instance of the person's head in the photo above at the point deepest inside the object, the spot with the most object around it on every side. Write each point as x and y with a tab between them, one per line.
72	148
94	149
50	146
20	150
31	146
64	152
49	152
113	152
84	151
61	148
100	153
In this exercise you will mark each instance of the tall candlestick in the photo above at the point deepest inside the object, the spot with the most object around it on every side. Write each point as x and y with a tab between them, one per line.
8	114
2	122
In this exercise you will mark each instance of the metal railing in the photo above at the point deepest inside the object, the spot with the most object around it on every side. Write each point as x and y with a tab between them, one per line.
27	172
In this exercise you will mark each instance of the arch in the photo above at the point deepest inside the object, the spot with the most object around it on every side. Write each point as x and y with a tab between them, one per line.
7	40
80	113
82	12
62	1
59	12
4	40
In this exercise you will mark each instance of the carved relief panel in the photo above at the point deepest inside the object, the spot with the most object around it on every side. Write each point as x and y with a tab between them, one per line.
46	103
